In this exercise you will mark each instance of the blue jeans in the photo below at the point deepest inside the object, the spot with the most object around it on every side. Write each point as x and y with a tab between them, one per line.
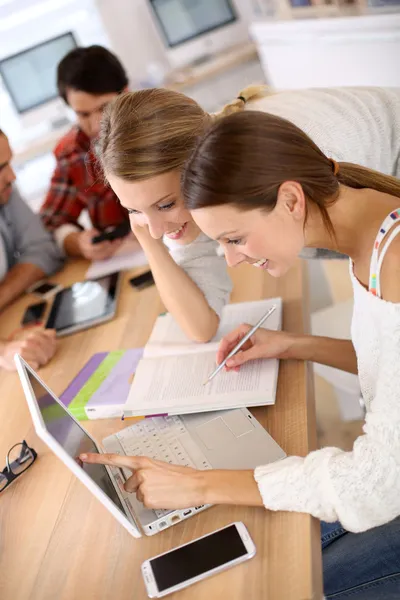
361	566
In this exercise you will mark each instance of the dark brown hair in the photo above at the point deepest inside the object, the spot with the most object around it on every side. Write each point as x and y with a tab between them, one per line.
244	158
94	70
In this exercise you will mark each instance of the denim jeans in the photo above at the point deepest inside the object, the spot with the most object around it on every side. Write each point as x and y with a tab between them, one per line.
361	566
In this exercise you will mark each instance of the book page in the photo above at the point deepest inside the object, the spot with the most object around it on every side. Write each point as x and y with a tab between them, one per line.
174	385
234	315
167	338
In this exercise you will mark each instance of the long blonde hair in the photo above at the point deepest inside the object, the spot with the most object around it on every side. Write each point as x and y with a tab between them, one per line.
150	132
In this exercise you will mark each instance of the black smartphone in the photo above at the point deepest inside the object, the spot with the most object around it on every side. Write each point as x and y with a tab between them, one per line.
113	233
142	281
192	562
34	313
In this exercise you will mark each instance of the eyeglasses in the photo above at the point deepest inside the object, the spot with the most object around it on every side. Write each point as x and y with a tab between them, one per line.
19	458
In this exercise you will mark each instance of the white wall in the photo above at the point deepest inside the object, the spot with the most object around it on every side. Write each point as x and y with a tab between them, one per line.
358	51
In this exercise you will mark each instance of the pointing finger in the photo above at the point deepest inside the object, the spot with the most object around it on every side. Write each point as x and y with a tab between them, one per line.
115	460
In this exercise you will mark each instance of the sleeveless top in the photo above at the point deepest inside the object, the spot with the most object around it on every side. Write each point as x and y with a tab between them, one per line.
361	488
373	318
381	245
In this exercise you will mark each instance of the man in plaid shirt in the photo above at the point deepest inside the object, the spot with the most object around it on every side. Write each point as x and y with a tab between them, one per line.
88	79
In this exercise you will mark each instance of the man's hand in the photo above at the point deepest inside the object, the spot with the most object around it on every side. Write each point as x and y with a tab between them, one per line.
79	243
36	349
99	251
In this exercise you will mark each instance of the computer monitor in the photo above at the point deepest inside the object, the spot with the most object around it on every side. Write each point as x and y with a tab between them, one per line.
30	79
192	29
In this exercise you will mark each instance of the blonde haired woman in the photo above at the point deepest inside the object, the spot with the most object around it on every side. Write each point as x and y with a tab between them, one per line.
147	137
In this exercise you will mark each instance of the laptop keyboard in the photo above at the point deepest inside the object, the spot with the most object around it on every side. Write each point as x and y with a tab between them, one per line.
163	438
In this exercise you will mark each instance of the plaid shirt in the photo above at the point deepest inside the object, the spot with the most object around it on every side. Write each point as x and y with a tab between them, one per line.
75	186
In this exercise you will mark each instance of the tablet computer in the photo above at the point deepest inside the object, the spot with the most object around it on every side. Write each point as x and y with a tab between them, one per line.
84	304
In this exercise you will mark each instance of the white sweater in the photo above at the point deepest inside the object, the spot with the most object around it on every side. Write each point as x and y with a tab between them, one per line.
359	125
361	489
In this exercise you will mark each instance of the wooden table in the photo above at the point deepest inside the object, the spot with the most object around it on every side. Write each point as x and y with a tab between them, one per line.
57	542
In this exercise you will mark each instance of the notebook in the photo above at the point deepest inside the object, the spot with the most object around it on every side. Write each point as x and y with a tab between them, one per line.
101	388
169	378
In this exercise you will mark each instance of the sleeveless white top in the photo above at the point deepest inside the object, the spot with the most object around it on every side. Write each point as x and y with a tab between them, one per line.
361	488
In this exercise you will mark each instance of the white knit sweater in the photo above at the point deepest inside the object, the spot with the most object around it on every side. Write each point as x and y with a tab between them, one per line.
359	125
361	489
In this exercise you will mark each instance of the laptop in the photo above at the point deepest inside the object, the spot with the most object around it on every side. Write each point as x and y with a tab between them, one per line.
231	439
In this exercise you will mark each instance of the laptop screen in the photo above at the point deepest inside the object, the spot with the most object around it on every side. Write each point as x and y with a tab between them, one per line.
71	437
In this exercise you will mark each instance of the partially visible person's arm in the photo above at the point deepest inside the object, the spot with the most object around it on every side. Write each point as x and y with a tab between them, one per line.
79	243
35	251
37	349
60	213
62	206
281	344
18	279
179	293
61	210
339	354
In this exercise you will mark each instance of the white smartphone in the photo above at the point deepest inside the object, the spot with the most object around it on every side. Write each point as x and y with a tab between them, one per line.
192	562
45	289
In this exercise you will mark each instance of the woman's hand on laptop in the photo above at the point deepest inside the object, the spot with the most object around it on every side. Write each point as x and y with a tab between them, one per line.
36	349
160	485
157	484
263	344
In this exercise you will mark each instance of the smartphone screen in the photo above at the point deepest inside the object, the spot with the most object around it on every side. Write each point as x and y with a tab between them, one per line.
143	280
113	233
199	557
34	313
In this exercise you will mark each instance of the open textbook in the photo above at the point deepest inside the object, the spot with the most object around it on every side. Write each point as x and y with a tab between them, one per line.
170	377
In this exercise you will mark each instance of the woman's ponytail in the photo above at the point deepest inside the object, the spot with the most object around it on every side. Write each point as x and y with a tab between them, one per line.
358	177
248	94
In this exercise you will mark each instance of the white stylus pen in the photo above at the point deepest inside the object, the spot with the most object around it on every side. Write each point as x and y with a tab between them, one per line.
240	344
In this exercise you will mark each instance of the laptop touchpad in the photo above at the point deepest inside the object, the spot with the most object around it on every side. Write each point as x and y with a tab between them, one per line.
238	423
215	434
223	431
